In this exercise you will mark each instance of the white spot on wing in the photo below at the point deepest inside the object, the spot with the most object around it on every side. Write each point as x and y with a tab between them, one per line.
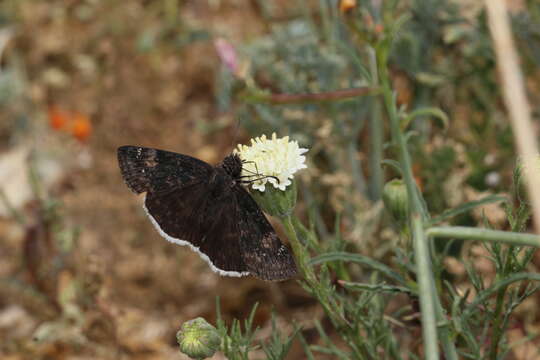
193	247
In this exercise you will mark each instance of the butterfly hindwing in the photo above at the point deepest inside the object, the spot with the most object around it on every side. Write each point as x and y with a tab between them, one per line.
190	216
263	253
159	171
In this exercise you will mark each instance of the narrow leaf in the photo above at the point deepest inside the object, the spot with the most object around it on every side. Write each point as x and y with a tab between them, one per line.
393	164
359	259
493	289
429	111
468	206
375	287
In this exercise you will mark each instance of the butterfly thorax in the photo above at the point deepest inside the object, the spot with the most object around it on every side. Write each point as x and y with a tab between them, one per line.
232	164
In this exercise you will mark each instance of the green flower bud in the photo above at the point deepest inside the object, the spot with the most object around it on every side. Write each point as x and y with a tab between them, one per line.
198	339
396	200
277	202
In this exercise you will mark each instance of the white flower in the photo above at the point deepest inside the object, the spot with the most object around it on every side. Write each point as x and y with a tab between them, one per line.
279	158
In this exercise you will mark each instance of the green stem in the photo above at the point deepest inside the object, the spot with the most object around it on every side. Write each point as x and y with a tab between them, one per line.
302	259
397	135
376	137
259	96
487	235
432	312
449	347
498	327
299	252
427	303
498	330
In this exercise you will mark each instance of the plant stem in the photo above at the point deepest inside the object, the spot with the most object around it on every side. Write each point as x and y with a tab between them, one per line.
427	304
299	252
259	96
432	311
448	345
376	133
497	329
397	136
487	235
318	290
515	97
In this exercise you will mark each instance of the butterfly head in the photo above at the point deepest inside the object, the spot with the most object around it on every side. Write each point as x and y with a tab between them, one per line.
232	164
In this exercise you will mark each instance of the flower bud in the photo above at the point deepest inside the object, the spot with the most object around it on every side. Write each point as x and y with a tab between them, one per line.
228	54
276	202
198	339
396	200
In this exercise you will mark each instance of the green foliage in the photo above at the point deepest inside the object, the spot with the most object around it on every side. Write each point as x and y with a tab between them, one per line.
443	56
278	346
237	344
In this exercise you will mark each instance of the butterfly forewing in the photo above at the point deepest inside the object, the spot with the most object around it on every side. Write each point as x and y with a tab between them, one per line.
159	171
192	203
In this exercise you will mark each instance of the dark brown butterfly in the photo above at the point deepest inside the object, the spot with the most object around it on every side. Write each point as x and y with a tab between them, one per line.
206	207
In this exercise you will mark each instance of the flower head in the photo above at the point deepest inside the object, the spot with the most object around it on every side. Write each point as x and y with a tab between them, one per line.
346	5
57	117
271	161
82	128
76	123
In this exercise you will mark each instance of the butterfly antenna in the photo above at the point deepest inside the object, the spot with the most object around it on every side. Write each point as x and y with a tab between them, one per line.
257	179
255	173
235	133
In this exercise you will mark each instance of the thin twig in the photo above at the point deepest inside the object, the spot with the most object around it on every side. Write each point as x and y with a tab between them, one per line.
282	99
515	99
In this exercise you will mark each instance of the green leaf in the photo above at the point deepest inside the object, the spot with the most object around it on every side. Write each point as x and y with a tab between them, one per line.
305	346
493	289
278	346
375	287
428	111
393	164
359	259
468	206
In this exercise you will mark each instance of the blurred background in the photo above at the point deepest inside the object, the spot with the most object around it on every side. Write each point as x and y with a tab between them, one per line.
83	274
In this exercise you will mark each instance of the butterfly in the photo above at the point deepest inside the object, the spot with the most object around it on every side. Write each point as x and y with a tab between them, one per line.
205	207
